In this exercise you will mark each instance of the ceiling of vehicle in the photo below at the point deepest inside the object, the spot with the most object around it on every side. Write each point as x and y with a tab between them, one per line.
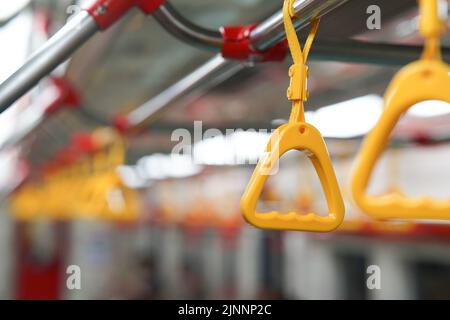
120	69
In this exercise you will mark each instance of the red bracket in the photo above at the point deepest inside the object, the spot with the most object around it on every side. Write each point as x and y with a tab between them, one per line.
107	12
84	143
236	45
149	6
422	138
80	146
121	123
67	95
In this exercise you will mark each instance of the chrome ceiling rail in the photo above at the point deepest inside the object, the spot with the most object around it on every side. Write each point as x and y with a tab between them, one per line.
356	51
99	15
185	30
352	51
55	51
203	78
271	31
267	33
24	124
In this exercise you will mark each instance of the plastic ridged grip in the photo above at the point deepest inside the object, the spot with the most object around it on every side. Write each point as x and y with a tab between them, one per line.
302	137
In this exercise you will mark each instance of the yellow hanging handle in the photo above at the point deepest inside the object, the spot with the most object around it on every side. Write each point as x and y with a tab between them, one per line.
432	26
88	188
298	135
425	79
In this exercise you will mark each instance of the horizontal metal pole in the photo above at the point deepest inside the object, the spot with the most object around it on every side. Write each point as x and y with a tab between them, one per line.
185	30
54	52
27	120
266	34
263	36
209	74
218	69
355	51
270	31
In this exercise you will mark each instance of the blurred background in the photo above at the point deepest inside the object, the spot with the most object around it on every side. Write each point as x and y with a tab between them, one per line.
181	234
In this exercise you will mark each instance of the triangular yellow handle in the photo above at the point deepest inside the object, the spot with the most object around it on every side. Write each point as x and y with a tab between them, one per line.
426	79
302	137
419	81
296	135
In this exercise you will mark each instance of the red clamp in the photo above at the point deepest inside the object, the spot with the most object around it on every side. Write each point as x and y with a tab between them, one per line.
236	45
106	12
67	95
84	143
80	146
422	138
121	122
66	156
149	6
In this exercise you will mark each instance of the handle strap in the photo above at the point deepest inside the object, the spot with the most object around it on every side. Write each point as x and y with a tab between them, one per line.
298	72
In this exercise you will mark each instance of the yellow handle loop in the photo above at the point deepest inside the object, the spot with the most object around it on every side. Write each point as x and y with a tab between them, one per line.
426	79
295	135
88	188
297	91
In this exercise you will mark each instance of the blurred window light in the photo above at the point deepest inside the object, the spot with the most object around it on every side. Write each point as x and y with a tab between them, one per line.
443	9
163	166
351	118
15	40
131	178
407	27
240	147
8	8
429	108
14	37
12	172
347	119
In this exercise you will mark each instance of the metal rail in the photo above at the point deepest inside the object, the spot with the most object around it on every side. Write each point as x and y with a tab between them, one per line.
211	73
99	15
55	51
183	29
267	33
340	51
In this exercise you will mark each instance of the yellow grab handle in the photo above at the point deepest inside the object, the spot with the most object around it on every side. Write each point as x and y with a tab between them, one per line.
426	79
298	135
302	137
419	81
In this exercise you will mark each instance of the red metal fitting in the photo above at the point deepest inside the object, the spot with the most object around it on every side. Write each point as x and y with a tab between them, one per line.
84	143
48	168
236	45
66	156
67	95
121	122
422	138
107	12
149	6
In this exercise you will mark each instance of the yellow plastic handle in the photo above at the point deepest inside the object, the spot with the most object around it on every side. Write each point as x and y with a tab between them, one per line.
419	81
298	135
302	137
431	25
